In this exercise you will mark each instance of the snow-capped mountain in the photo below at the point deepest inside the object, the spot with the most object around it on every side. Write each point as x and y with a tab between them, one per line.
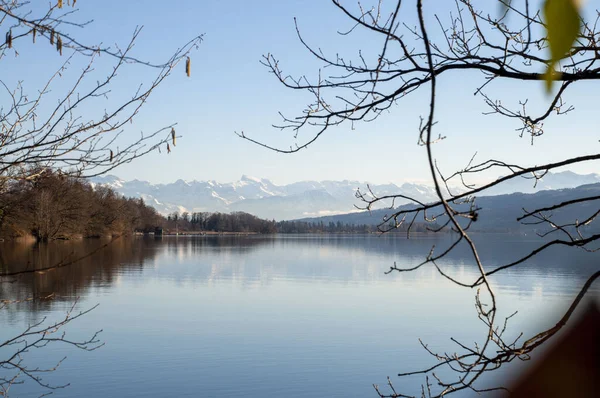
297	200
259	196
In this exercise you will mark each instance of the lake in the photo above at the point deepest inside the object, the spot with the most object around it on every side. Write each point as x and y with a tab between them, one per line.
268	316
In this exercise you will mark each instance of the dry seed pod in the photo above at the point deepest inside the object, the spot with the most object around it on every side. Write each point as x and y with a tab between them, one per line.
59	45
188	66
173	135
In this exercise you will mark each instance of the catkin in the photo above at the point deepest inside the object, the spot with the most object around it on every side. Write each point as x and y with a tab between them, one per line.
111	155
52	37
33	32
188	66
60	3
59	45
9	39
173	135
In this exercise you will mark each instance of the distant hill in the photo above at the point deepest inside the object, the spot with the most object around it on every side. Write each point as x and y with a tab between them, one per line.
499	213
564	179
267	200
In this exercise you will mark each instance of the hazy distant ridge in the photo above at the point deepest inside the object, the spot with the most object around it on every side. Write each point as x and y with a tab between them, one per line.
499	213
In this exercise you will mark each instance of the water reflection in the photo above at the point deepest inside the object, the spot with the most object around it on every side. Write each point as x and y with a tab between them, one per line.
66	283
304	316
258	260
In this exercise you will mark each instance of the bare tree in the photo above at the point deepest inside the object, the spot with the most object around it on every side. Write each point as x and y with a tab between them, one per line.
36	132
503	41
73	134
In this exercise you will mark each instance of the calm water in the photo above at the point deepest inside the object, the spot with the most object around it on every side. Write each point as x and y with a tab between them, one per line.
294	316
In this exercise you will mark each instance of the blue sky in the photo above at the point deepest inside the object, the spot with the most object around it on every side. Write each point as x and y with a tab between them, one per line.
230	91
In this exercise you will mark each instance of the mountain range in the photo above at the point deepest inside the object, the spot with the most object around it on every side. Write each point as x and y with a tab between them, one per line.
302	199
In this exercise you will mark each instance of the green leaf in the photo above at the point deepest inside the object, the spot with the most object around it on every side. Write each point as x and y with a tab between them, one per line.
563	24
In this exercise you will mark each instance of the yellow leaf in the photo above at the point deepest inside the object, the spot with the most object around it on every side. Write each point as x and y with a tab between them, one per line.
563	24
549	77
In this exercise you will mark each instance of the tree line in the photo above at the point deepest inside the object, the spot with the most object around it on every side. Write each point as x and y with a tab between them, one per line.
244	222
57	206
300	227
218	222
